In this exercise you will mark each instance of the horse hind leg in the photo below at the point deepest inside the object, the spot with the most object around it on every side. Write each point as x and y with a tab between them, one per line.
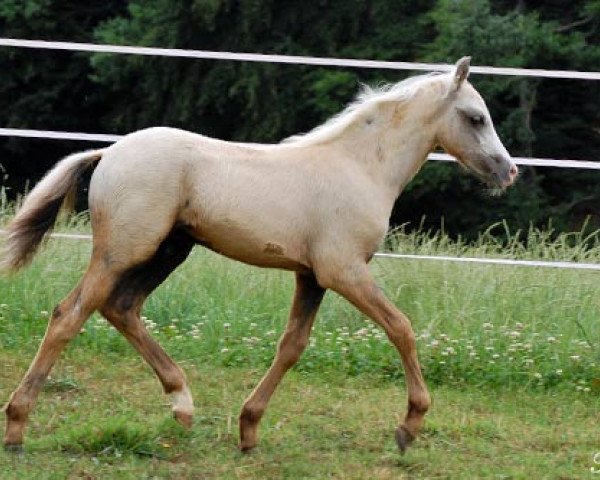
65	323
123	307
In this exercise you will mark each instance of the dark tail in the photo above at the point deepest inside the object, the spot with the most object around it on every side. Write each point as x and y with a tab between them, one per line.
38	213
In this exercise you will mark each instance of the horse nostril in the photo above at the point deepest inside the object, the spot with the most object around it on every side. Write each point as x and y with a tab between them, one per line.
513	171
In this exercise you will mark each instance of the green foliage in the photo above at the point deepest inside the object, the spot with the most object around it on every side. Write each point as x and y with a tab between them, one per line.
531	116
44	89
242	101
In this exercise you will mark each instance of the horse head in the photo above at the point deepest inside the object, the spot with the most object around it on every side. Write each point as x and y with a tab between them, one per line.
466	131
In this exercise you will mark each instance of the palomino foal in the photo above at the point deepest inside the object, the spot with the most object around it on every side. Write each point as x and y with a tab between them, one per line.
317	204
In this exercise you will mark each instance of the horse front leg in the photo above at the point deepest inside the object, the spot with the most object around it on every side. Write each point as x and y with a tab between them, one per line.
307	299
358	287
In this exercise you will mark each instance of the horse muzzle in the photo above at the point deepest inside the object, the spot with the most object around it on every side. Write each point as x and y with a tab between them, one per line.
505	173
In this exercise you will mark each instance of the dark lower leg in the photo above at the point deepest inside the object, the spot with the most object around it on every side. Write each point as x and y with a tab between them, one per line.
307	299
123	307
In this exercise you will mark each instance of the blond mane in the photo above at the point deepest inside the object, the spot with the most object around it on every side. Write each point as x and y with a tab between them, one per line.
365	102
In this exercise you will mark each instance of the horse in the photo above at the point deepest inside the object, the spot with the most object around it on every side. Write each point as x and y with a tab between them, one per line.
317	204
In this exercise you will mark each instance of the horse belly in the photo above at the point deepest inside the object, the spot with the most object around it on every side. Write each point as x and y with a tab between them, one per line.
250	242
252	210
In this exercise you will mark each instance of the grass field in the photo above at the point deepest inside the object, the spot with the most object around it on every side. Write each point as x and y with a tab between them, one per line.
512	356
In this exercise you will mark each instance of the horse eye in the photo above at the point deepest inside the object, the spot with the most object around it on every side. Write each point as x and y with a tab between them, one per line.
477	120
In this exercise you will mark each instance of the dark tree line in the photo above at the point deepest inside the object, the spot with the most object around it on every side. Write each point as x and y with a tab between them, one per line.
266	102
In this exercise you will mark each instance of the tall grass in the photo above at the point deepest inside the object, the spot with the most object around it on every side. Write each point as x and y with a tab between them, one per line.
500	242
476	324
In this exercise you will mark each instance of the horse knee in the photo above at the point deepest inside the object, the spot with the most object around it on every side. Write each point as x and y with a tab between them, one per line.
400	332
420	404
251	414
17	411
291	347
62	330
297	345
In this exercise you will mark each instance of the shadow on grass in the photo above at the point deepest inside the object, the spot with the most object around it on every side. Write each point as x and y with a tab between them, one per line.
116	437
61	385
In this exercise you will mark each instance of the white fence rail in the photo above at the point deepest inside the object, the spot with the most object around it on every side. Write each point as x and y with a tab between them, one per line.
290	59
439	258
108	138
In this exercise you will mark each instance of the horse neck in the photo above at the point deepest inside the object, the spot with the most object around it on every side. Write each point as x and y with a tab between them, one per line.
390	144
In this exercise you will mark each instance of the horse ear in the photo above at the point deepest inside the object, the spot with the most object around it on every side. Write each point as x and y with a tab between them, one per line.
461	71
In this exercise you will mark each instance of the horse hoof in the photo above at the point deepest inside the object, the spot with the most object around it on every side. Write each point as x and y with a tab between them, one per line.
245	448
403	438
13	447
185	419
